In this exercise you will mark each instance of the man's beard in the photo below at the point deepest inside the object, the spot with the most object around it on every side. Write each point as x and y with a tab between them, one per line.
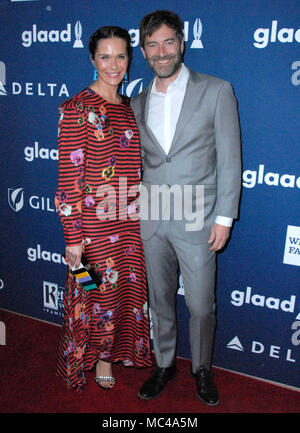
162	71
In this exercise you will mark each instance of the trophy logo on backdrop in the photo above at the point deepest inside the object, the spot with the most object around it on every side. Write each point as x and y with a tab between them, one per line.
78	33
197	30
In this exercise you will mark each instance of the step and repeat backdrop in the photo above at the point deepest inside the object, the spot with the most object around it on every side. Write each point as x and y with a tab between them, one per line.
254	44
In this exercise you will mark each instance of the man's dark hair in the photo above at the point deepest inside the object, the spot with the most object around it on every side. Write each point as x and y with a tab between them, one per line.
153	21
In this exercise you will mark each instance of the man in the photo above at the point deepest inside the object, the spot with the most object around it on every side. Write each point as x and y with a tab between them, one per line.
190	135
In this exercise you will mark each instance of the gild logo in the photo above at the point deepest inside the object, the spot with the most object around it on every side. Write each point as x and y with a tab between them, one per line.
16	198
16	201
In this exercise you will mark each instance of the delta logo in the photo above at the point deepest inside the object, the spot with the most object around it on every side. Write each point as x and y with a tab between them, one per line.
259	348
31	88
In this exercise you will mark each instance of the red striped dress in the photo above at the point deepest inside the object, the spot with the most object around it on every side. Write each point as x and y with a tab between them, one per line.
99	175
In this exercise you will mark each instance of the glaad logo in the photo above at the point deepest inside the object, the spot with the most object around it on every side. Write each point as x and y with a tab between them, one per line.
16	201
36	152
2	79
34	254
43	36
238	298
197	33
253	177
292	246
257	348
263	36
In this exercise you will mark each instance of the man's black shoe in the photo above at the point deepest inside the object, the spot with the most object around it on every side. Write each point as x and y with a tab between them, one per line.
206	389
154	386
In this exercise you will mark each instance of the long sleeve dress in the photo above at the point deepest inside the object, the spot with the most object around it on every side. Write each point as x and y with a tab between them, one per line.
99	175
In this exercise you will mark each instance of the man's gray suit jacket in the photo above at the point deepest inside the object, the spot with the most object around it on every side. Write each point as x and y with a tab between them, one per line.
205	151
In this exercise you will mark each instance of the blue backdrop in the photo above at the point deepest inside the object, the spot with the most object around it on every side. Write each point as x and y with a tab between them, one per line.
254	44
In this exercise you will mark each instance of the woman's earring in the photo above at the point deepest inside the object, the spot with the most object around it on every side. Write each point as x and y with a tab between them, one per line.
95	75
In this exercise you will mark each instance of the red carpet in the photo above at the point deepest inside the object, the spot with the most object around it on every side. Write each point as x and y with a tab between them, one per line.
28	383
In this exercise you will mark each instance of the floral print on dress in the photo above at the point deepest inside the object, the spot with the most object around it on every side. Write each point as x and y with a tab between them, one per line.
140	347
130	250
125	138
141	313
109	322
111	274
62	196
77	224
104	318
77	157
109	171
65	209
98	122
89	201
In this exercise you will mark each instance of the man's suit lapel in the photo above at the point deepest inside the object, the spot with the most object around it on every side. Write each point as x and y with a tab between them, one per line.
144	117
189	106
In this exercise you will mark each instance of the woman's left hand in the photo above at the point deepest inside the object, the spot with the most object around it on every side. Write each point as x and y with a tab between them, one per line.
73	254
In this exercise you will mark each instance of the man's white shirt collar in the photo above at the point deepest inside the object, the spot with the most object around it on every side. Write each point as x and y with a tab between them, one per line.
180	82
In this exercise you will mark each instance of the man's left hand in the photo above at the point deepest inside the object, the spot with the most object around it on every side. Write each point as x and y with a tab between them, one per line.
218	237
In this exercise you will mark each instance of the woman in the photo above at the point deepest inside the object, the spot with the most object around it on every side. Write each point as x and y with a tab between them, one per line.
99	174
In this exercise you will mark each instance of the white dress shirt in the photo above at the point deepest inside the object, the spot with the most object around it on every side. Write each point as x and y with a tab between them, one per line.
164	110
